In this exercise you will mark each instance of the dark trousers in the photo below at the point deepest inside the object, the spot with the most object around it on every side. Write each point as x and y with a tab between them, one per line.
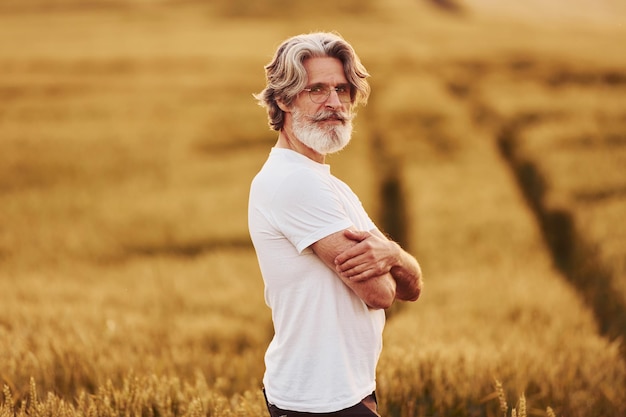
358	410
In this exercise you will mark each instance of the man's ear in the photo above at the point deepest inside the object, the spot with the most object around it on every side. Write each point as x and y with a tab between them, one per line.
283	106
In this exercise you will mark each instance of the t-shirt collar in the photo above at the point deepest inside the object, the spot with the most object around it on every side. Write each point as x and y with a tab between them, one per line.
294	156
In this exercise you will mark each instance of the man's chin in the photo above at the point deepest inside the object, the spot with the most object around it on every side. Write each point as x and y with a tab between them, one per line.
320	142
335	149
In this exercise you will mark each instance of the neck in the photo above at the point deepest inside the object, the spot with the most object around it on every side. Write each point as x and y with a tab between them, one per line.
287	140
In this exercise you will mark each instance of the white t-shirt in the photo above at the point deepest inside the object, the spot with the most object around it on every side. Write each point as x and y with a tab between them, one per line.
326	340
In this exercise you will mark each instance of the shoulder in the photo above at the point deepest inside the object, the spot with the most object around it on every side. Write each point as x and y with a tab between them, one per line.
302	183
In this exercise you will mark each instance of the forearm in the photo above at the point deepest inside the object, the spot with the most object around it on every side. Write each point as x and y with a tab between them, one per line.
375	255
378	292
408	276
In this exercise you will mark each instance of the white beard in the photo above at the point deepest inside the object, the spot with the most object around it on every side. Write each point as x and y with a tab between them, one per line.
322	139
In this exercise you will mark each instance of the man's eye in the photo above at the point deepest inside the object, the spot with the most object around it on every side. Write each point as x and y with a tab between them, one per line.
317	89
341	90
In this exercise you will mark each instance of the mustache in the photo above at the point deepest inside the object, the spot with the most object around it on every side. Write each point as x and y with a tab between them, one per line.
330	114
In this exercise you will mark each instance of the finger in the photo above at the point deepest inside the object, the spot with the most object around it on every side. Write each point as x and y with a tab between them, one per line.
348	254
361	271
362	276
350	269
365	268
351	263
355	275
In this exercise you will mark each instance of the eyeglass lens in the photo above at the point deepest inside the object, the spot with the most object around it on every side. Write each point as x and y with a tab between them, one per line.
320	94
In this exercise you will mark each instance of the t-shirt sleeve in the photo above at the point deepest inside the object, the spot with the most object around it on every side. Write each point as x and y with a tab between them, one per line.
306	209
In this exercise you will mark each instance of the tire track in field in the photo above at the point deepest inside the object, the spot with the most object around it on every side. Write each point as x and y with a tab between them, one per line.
573	254
393	217
183	249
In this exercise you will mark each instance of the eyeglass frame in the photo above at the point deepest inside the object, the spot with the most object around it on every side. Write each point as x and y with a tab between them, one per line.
328	90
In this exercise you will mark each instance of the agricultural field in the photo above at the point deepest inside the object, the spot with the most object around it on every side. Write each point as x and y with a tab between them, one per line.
492	148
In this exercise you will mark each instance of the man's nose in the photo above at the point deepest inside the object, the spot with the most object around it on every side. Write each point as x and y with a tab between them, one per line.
333	99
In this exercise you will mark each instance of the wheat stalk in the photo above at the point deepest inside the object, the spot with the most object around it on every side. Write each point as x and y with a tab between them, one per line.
8	400
522	406
502	398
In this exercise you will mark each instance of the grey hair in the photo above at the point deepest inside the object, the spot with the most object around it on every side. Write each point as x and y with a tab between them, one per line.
286	75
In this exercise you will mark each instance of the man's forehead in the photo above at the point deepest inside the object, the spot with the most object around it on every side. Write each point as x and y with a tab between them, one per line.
324	70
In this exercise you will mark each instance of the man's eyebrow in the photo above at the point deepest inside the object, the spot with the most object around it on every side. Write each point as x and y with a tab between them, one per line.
346	84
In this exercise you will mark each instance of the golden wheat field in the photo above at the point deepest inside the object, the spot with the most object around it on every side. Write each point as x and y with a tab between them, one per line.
493	148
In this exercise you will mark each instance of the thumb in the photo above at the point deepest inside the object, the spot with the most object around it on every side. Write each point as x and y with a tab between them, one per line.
356	235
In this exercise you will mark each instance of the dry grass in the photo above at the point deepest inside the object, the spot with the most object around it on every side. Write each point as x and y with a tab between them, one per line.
128	137
496	305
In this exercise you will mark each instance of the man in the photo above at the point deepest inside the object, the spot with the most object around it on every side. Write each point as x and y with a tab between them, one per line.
329	273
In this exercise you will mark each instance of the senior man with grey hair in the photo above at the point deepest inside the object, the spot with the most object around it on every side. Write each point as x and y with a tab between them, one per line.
328	271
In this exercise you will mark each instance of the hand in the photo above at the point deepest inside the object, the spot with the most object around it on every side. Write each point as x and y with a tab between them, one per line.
371	257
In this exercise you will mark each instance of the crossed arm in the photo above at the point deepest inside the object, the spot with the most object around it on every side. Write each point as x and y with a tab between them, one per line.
377	269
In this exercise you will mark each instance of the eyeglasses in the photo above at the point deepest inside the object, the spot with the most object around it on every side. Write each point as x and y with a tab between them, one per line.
320	93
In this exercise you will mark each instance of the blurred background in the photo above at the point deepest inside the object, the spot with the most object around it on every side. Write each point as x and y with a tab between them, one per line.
493	148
